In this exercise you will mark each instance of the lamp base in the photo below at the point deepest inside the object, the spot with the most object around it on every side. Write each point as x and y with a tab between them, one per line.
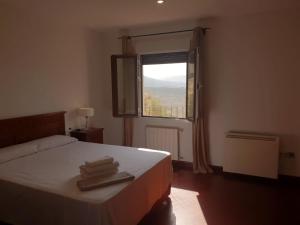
86	122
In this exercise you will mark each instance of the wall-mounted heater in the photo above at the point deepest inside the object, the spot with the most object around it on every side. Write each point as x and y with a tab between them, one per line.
251	154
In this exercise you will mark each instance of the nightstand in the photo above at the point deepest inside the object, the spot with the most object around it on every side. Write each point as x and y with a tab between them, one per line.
94	135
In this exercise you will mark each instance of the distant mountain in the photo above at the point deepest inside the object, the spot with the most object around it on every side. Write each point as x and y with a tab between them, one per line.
155	83
168	96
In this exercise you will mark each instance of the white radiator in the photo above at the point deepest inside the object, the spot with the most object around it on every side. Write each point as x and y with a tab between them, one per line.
251	154
164	138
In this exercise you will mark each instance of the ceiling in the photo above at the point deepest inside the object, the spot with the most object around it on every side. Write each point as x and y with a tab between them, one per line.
121	13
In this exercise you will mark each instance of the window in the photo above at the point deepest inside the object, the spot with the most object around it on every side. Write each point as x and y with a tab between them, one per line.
168	85
164	79
124	85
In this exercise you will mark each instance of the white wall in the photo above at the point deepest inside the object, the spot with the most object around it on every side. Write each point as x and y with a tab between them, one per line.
252	72
100	81
252	81
43	66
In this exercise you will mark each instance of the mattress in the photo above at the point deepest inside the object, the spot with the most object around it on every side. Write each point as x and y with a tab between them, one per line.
40	189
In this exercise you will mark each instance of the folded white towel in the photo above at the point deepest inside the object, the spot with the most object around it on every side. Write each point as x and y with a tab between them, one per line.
102	161
99	168
101	174
92	183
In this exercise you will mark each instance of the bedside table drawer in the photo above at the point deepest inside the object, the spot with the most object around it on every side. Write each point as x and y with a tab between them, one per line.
94	135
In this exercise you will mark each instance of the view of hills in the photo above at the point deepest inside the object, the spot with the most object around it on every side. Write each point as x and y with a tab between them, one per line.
166	97
177	82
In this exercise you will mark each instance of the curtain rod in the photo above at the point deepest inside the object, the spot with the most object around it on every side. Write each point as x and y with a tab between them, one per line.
162	33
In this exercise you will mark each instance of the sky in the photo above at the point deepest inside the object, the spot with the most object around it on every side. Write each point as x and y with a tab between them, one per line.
169	72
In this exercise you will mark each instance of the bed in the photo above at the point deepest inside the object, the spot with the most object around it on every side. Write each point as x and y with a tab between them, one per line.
39	188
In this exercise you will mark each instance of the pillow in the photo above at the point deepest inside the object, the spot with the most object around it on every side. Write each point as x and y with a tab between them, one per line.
52	142
16	151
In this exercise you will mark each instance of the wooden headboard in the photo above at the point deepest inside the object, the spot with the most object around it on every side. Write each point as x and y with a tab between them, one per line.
22	129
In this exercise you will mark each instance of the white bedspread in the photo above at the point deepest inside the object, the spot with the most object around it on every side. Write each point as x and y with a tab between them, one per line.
40	189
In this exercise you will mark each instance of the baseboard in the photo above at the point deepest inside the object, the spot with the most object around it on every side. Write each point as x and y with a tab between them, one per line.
286	179
282	179
217	169
178	164
250	178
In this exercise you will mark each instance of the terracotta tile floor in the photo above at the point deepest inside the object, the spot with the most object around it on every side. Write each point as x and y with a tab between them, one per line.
219	200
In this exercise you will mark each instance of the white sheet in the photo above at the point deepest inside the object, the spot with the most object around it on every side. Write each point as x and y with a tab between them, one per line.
52	142
41	188
16	151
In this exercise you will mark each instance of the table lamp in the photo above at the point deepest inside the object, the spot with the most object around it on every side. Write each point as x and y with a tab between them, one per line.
87	113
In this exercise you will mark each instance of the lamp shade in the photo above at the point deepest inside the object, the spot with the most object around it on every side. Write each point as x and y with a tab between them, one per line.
86	112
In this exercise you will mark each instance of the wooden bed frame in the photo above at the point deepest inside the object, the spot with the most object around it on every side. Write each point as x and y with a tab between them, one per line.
22	129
